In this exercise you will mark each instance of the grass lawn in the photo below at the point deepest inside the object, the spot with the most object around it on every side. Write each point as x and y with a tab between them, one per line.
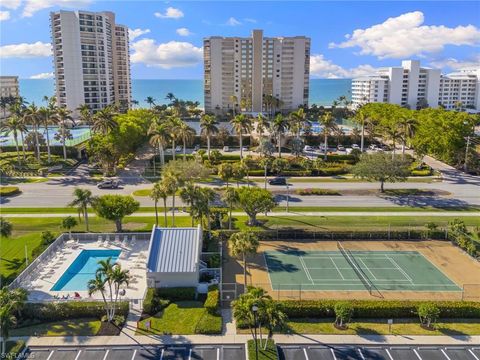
142	192
74	327
380	327
181	317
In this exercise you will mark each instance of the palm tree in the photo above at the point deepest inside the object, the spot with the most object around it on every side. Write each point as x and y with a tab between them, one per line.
207	195
14	125
273	317
361	118
298	120
17	109
158	192
241	123
208	124
33	116
262	124
170	97
190	195
242	244
159	136
279	126
187	134
119	278
230	196
48	113
171	184
85	114
174	124
82	200
103	121
234	101
150	101
328	122
134	103
11	303
408	123
63	114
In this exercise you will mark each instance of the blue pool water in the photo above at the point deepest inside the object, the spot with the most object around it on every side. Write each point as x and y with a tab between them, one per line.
83	269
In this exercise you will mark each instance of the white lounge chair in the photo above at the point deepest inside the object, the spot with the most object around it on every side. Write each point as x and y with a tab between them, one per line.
99	240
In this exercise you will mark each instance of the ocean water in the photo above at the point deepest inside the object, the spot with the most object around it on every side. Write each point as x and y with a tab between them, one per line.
322	91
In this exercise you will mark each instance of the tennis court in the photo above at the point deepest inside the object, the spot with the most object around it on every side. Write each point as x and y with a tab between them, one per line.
355	271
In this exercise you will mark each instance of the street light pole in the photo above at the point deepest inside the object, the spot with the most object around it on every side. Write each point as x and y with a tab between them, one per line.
465	167
288	196
255	311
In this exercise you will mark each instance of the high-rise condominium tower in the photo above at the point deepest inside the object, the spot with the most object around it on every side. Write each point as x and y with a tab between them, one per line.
91	59
252	73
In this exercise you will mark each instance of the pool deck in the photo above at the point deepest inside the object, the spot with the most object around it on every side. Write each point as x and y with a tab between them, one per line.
132	257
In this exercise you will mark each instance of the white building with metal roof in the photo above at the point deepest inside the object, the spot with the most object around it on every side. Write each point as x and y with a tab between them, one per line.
174	257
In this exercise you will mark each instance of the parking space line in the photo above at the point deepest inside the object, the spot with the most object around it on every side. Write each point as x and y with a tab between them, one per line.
190	354
51	353
389	355
444	353
78	355
333	354
161	355
361	354
218	353
475	356
106	354
306	355
416	353
134	353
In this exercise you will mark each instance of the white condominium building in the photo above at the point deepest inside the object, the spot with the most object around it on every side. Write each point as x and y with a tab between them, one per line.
251	69
409	85
8	89
460	89
91	59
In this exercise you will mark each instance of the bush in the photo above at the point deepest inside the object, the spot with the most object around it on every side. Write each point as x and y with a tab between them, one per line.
213	299
333	171
47	237
316	192
214	261
343	313
209	324
428	313
176	293
152	304
13	349
9	190
118	320
426	172
69	310
372	309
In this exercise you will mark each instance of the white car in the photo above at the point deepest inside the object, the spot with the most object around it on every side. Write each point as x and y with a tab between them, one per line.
355	146
178	148
340	148
226	149
308	148
348	150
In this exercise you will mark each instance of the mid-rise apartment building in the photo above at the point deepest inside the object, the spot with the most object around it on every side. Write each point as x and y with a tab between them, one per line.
8	89
460	89
91	59
251	69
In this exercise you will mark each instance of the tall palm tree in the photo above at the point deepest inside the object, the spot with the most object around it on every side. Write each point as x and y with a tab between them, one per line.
262	124
82	200
174	124
63	114
14	125
48	115
85	114
170	182
11	303
159	137
242	244
187	134
170	97
298	120
18	109
104	121
33	116
119	278
189	195
279	127
407	123
361	118
328	122
150	101
159	192
241	123
208	124
234	101
230	197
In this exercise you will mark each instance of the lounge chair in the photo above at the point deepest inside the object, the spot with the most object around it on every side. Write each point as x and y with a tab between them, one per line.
99	240
117	240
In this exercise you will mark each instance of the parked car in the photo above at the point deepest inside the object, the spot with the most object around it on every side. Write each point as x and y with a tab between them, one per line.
372	147
245	148
355	146
178	148
226	149
348	150
308	148
196	148
108	184
341	148
278	181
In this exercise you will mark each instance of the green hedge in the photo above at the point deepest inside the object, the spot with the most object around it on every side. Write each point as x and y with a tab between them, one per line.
213	299
152	304
305	192
371	309
69	310
9	190
13	349
426	172
209	324
332	171
340	157
176	293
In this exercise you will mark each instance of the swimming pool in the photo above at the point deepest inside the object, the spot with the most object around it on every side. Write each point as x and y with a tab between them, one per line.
83	269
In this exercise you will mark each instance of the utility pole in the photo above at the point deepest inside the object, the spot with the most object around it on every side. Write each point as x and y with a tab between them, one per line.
465	167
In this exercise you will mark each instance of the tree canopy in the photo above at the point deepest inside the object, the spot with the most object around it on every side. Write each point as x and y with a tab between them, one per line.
255	200
115	208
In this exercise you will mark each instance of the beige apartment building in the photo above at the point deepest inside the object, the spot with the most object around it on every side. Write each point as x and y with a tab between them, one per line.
91	59
242	72
8	88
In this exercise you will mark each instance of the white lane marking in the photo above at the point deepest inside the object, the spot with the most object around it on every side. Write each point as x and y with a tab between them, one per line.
361	354
218	353
78	355
190	354
306	355
444	353
368	269
475	356
49	356
389	355
106	354
333	354
134	353
161	355
418	355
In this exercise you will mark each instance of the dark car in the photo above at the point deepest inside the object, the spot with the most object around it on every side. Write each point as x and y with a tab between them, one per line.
108	184
278	181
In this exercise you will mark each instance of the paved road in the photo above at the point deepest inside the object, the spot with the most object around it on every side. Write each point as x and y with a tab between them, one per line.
179	352
345	352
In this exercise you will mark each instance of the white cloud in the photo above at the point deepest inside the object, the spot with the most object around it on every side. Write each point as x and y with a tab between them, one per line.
456	64
404	36
233	22
250	20
4	15
170	13
323	68
135	33
24	50
167	55
32	6
47	75
183	32
10	4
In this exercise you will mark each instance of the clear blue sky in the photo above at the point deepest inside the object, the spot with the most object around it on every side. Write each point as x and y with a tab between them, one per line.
348	38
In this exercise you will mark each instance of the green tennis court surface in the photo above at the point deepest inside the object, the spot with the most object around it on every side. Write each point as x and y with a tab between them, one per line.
359	270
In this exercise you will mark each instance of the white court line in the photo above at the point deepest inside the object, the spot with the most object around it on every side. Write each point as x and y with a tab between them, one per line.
389	355
400	269
416	353
51	353
218	353
444	353
306	355
333	262
134	353
361	354
333	354
343	268
475	356
78	355
367	268
306	270
106	354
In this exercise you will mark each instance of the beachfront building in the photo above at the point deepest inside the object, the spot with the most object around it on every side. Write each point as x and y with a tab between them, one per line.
91	59
8	90
460	90
241	73
409	85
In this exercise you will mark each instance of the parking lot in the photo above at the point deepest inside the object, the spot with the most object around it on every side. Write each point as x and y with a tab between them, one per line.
178	352
318	352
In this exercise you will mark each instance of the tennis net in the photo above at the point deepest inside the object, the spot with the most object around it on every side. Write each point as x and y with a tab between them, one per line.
363	278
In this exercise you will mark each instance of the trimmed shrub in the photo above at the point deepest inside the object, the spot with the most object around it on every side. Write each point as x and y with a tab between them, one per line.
13	349
209	324
428	314
152	304
426	172
176	293
9	190
343	313
316	192
213	299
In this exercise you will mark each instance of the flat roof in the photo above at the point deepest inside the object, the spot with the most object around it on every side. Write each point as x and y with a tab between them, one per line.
174	250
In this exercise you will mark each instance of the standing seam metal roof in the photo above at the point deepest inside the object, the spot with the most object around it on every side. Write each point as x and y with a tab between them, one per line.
174	250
